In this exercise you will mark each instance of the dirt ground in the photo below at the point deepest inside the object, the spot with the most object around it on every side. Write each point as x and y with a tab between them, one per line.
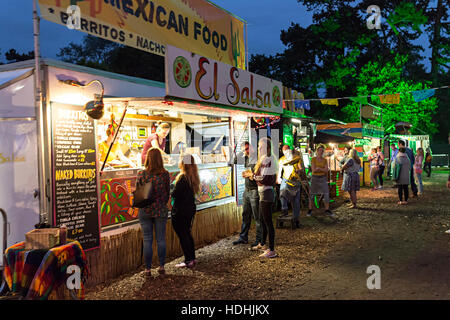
322	259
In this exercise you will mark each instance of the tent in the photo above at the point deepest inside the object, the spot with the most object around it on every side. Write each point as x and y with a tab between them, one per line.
323	137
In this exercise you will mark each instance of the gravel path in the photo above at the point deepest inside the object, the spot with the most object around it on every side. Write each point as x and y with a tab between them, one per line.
322	260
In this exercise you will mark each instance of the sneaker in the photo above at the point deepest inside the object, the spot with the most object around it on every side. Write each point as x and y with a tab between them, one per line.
309	213
180	265
259	246
239	241
330	214
254	244
268	254
380	187
191	264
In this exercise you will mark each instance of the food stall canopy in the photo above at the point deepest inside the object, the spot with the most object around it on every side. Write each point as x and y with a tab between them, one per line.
322	137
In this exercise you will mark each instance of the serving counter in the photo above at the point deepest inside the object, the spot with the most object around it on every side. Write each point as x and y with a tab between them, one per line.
116	188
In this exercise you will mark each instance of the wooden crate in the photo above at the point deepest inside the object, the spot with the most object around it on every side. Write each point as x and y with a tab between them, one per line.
42	238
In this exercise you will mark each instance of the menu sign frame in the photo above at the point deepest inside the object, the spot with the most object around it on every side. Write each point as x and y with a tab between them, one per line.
75	174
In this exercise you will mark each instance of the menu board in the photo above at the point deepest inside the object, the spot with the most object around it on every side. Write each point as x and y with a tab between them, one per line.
75	194
241	134
240	184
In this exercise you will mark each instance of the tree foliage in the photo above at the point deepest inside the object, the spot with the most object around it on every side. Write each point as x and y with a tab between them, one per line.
377	78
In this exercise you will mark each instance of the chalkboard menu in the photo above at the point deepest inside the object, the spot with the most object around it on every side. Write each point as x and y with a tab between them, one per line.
75	196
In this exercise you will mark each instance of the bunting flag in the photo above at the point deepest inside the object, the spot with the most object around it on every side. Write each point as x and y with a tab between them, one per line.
422	94
390	98
330	101
361	100
302	104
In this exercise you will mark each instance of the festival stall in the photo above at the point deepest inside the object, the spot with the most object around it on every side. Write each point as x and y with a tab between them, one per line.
95	204
366	137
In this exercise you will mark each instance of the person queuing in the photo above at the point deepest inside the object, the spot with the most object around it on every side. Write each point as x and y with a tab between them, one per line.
380	166
265	174
187	185
156	140
427	165
402	176
410	155
154	217
319	181
346	156
250	200
289	180
351	181
374	159
394	152
418	164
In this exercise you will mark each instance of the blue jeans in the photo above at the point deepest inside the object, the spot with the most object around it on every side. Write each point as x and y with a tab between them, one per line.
419	181
147	224
295	200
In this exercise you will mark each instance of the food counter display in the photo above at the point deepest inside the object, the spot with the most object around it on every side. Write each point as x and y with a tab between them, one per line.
206	137
116	187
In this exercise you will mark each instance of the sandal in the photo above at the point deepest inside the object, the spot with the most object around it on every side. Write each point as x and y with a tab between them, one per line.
161	271
400	202
148	273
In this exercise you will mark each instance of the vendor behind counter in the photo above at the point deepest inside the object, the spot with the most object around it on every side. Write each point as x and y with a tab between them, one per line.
116	156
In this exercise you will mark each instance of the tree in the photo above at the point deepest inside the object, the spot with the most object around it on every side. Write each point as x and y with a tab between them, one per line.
110	56
379	78
13	56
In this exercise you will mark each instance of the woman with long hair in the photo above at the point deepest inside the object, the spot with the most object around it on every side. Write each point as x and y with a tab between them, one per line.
418	163
265	175
156	140
319	181
187	185
351	181
374	168
155	215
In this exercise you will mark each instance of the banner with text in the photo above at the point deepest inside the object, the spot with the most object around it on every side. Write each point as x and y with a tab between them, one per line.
195	77
194	25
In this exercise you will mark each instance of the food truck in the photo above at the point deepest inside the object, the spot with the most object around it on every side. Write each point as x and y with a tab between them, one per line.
72	189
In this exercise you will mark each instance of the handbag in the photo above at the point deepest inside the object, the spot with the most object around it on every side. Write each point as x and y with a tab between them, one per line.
142	195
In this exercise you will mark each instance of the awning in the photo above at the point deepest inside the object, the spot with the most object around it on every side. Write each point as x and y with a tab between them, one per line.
322	137
8	78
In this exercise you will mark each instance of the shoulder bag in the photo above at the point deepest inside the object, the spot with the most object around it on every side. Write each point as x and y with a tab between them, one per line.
142	196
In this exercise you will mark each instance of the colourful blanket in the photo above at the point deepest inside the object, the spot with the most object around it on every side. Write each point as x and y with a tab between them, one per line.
36	273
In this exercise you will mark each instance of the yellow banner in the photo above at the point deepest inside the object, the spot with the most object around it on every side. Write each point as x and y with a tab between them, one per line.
330	101
390	98
192	25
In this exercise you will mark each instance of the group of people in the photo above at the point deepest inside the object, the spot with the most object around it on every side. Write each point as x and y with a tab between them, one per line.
154	216
263	172
407	169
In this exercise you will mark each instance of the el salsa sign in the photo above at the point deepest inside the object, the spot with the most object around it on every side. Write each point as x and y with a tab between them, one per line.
195	25
192	76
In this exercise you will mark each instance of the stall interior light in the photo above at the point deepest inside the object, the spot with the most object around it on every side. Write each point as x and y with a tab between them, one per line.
94	108
240	118
296	120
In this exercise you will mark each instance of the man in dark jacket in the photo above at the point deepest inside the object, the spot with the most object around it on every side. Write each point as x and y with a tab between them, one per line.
250	199
410	155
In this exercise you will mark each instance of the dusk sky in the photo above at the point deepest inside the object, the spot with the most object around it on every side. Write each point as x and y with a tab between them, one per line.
266	18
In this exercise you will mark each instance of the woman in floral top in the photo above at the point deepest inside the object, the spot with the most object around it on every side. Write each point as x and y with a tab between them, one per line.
155	215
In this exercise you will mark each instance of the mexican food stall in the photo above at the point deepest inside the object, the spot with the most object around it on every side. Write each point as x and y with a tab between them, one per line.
95	204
